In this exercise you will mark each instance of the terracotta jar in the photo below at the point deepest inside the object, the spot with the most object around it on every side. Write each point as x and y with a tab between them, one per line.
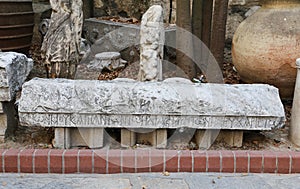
266	45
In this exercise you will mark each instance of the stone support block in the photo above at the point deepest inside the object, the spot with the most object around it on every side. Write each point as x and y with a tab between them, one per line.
78	137
205	138
232	138
128	138
161	138
62	138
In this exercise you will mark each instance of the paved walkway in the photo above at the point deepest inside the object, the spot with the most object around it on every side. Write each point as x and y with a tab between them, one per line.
150	180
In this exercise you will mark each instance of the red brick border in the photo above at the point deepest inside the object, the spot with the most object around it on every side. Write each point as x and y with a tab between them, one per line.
106	161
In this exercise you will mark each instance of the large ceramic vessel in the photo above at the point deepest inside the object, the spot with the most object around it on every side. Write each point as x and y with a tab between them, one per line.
16	25
266	45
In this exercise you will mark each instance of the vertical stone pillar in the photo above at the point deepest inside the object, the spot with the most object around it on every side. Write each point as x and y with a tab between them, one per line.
152	44
166	4
151	57
295	119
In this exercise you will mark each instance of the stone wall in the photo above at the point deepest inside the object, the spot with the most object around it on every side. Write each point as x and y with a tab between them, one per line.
127	8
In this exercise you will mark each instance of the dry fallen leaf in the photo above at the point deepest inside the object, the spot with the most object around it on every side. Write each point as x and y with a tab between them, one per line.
166	173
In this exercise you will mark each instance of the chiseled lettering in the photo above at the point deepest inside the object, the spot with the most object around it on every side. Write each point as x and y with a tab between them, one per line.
53	119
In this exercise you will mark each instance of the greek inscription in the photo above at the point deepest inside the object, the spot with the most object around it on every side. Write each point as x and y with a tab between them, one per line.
201	121
152	121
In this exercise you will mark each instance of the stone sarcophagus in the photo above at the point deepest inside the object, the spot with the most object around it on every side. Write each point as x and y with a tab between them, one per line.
131	104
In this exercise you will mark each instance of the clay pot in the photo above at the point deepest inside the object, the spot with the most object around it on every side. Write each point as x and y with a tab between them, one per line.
266	45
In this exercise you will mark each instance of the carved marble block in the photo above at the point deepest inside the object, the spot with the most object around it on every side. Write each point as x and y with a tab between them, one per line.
130	104
152	44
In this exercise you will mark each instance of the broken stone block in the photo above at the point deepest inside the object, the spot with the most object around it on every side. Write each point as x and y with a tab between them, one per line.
14	69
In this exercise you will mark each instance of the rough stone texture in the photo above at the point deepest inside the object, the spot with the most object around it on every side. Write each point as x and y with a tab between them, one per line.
152	37
295	118
128	8
165	4
107	60
61	43
118	37
117	104
14	69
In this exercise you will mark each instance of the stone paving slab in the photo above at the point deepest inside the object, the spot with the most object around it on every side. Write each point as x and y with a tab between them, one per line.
151	180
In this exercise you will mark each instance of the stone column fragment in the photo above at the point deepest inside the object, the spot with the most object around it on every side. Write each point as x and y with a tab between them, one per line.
152	43
295	118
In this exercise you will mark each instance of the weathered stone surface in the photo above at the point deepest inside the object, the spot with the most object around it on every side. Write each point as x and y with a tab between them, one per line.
128	8
61	44
117	104
14	69
152	44
295	118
